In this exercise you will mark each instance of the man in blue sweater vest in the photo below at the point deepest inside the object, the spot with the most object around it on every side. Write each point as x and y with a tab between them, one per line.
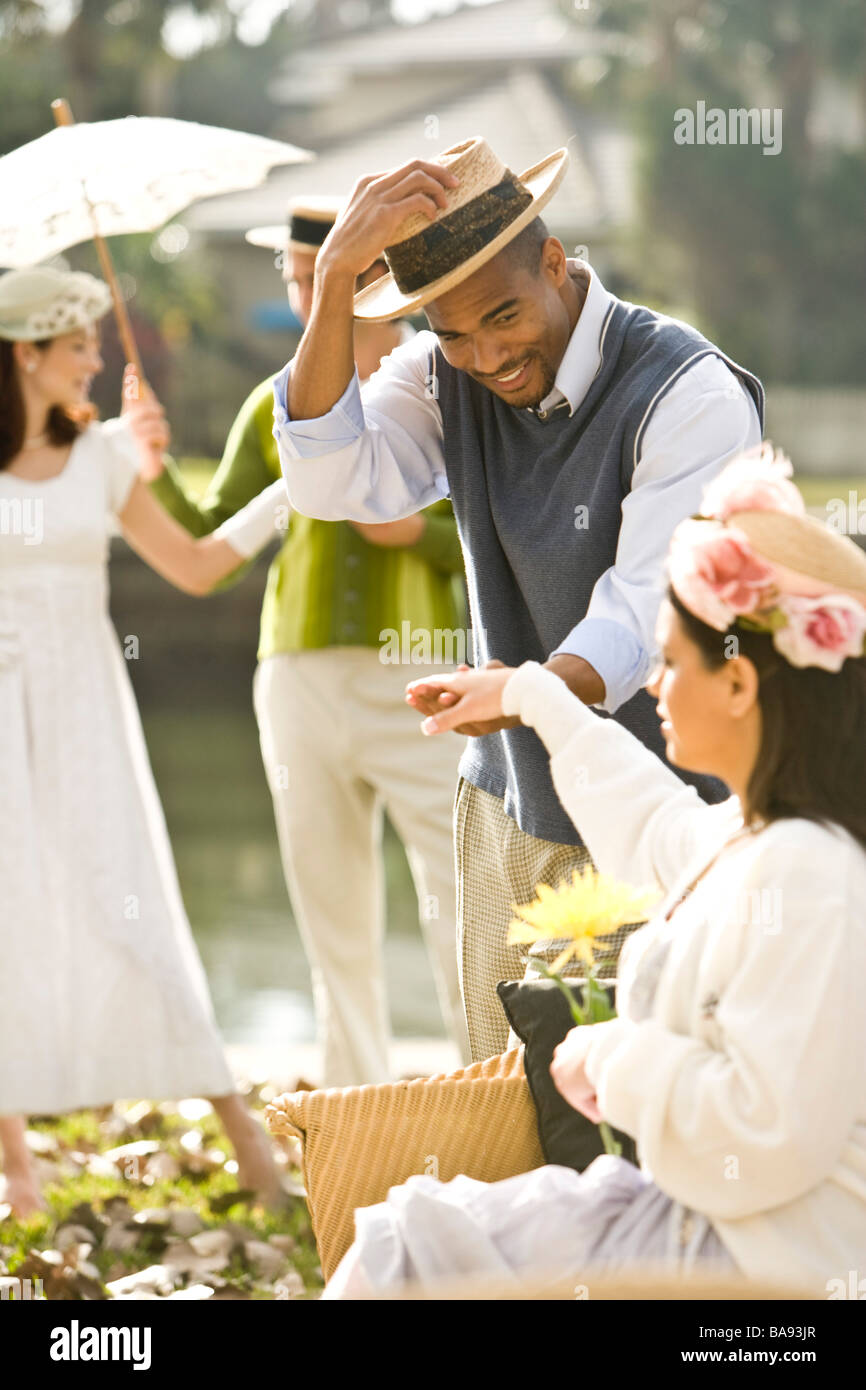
572	431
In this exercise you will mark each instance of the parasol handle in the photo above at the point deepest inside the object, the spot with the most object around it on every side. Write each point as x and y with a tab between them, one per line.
63	116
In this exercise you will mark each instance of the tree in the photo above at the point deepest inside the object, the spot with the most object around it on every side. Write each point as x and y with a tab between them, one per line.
768	248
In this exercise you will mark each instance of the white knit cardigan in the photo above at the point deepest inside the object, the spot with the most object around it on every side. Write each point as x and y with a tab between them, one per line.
745	1083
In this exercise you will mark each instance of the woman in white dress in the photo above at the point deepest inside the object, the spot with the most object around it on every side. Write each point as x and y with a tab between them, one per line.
738	1057
102	993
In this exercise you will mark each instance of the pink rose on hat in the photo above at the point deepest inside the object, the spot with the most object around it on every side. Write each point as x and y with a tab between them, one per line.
821	631
716	573
756	481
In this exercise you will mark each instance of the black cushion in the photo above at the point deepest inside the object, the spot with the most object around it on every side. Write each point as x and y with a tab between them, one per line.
539	1014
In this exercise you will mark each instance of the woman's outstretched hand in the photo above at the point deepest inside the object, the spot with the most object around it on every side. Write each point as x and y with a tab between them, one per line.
569	1073
148	423
469	702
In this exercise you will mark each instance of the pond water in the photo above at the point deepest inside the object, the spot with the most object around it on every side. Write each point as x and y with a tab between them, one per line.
209	775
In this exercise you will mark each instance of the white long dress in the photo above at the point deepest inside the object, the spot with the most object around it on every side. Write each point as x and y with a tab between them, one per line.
102	992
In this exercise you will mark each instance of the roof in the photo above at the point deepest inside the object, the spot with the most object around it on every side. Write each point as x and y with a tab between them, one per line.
521	116
486	34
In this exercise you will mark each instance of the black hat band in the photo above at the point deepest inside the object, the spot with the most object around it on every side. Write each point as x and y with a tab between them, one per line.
451	240
308	230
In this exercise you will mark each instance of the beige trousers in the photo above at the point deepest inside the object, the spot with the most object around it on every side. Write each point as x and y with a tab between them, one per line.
498	864
339	744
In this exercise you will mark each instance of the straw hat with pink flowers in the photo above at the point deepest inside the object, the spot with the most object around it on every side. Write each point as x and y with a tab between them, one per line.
753	558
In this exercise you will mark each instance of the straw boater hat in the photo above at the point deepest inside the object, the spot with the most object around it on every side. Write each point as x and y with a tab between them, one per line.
754	558
308	222
486	210
42	302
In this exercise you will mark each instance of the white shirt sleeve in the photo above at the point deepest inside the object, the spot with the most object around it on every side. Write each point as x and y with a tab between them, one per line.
263	517
792	1033
706	418
640	823
377	455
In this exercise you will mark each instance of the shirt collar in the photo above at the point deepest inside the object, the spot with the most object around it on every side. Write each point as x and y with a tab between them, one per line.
582	357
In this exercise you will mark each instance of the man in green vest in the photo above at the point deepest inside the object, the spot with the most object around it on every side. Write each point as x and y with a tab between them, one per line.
338	740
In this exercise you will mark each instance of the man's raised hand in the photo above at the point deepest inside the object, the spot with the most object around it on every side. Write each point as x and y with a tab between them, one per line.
377	205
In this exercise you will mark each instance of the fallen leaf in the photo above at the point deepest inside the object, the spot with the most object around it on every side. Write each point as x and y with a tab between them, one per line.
282	1242
120	1237
40	1264
144	1116
183	1259
98	1166
163	1166
39	1143
84	1214
155	1279
263	1259
75	1284
186	1222
289	1285
208	1161
210	1243
68	1234
117	1209
139	1149
153	1219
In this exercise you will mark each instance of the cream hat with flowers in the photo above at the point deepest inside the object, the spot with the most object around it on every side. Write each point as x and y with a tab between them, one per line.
41	302
753	558
488	208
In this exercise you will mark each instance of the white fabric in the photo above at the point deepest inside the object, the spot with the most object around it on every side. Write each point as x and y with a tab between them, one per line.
263	517
102	993
551	1224
745	1081
126	175
378	455
339	744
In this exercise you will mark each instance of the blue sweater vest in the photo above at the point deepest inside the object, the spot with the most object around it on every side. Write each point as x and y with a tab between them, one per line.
515	482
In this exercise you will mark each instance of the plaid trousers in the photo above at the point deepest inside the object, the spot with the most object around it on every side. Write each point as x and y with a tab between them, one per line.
498	865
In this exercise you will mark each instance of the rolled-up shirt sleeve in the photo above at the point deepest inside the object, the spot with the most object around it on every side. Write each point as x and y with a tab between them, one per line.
377	454
706	418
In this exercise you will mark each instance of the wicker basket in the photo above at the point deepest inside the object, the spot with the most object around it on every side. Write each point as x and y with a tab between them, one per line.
362	1140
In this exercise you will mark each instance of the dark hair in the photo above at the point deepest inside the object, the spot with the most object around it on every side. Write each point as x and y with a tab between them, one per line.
63	426
524	252
812	759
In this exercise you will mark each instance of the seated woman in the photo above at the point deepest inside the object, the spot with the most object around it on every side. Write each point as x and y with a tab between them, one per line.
738	1059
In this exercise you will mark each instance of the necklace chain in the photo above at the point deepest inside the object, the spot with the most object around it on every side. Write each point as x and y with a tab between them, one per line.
751	829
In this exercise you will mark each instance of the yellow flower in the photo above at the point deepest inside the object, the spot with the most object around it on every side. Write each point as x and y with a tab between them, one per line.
590	906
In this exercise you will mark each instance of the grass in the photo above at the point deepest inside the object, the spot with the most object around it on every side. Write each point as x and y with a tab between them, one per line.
818	489
90	1199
